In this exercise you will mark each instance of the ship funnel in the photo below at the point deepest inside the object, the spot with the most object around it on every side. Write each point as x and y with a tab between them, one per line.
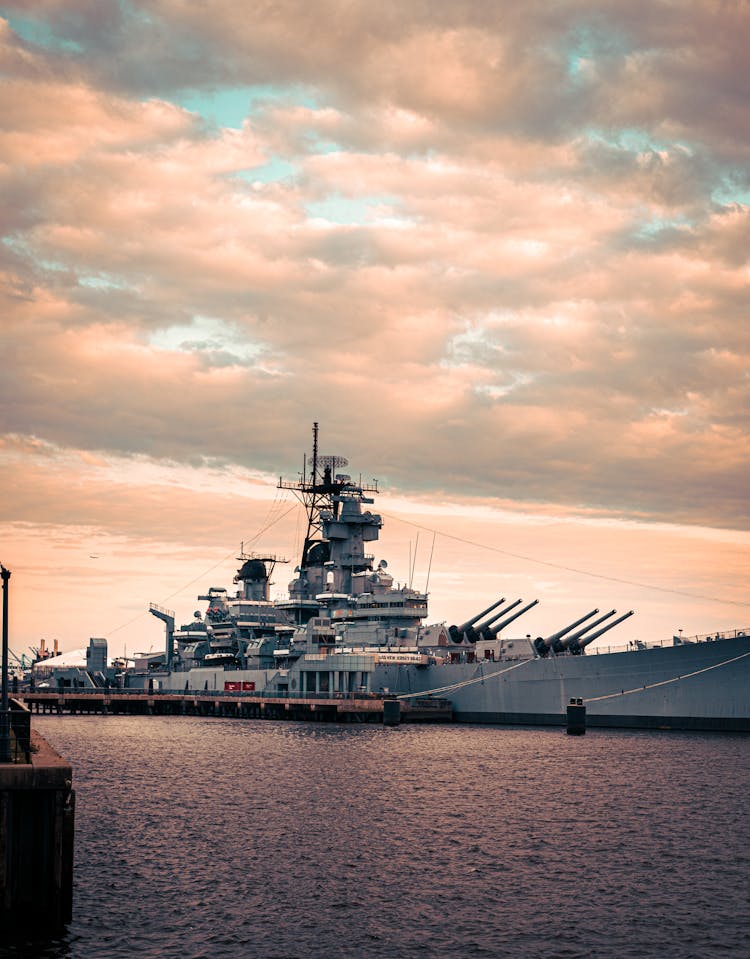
572	637
506	622
543	645
579	645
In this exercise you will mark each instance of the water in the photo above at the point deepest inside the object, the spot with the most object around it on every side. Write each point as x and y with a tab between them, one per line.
225	838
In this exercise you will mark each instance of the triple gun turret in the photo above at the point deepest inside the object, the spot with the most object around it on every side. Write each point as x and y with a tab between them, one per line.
472	631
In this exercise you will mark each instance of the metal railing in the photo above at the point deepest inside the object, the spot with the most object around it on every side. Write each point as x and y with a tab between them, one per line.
20	733
85	691
714	637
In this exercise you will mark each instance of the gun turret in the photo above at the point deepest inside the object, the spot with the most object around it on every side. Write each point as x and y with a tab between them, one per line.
457	632
572	637
487	630
494	630
475	619
579	645
543	645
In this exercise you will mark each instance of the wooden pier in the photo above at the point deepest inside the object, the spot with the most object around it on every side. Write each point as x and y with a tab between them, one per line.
356	708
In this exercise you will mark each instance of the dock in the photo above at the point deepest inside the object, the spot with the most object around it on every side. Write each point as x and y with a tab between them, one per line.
37	813
309	707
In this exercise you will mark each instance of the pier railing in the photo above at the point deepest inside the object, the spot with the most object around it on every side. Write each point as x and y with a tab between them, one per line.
99	691
246	704
20	732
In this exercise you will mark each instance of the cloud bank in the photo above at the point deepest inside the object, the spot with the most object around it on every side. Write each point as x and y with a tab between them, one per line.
501	254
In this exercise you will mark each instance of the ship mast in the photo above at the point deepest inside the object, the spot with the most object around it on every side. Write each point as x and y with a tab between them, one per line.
312	501
320	494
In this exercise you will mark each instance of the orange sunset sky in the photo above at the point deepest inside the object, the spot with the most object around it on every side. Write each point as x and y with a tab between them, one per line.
498	251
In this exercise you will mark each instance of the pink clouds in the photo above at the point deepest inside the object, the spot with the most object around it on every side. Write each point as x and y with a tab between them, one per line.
500	255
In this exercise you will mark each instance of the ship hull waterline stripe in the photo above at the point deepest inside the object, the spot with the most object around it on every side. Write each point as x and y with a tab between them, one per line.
602	721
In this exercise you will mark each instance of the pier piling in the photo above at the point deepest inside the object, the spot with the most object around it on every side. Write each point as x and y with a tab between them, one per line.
391	712
576	718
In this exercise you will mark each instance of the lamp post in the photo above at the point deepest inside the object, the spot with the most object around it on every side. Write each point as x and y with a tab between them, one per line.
4	709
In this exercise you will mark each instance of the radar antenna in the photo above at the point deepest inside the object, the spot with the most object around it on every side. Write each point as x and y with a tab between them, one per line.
321	489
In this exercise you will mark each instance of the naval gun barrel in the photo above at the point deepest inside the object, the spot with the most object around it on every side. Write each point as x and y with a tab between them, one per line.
572	637
475	633
475	619
457	632
494	630
486	629
579	645
543	645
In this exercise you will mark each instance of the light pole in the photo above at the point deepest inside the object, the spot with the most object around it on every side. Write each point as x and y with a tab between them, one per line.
4	709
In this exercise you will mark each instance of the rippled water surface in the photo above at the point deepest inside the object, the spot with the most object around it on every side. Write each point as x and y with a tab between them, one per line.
222	838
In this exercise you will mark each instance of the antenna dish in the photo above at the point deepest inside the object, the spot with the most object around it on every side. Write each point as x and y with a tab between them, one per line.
333	461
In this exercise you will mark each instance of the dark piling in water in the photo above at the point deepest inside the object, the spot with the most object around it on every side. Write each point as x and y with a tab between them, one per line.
391	712
576	718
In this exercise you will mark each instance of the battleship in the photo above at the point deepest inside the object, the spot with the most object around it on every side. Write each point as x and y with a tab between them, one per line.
346	628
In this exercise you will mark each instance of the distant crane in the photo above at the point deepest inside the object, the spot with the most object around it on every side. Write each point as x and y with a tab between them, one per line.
23	660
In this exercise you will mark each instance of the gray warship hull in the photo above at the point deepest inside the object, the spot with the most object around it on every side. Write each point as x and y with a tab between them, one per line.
701	686
694	686
346	628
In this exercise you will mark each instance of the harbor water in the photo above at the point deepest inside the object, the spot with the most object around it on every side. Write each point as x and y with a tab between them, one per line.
227	838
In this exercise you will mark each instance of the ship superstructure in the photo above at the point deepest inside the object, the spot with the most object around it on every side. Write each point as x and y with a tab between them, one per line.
337	578
347	627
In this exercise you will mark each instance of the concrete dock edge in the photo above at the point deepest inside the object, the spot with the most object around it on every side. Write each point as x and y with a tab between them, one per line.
37	825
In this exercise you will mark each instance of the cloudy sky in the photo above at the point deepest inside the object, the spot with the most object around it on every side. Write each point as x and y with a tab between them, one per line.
498	251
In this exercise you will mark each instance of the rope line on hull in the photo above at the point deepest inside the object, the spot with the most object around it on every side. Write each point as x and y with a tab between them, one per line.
594	699
465	682
666	682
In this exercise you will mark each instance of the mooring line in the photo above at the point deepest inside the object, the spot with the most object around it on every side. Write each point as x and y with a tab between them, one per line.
594	699
666	682
465	682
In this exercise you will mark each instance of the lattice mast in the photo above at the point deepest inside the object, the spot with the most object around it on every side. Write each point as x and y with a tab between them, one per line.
319	489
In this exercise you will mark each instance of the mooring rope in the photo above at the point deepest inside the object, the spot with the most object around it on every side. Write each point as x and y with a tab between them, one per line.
594	699
666	682
465	682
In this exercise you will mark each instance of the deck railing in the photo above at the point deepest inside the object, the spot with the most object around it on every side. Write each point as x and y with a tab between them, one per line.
677	640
